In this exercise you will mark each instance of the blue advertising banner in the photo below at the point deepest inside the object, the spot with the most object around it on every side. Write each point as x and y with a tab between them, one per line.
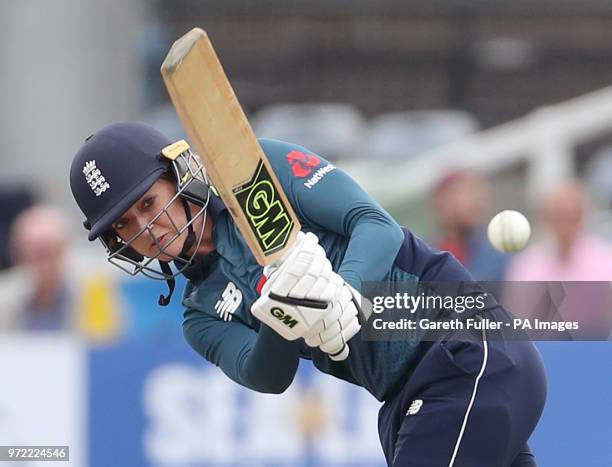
576	427
156	403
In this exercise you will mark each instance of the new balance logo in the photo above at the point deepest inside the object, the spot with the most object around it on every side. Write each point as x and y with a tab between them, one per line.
415	406
94	178
318	175
230	300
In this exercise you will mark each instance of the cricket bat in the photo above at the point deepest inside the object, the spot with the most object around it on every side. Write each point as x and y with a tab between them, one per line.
223	138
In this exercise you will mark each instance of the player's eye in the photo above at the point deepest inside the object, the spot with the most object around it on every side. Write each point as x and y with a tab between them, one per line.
148	202
120	224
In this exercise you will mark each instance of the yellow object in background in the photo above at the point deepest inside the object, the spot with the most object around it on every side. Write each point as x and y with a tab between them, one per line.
98	311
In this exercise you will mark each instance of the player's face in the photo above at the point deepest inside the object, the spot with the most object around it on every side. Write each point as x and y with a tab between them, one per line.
162	237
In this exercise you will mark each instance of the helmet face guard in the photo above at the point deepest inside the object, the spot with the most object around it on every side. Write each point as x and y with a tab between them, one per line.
192	187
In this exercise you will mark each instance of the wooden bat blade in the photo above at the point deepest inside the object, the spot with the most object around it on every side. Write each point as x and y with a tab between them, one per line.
221	134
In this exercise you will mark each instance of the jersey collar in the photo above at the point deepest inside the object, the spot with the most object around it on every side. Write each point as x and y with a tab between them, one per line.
215	206
201	267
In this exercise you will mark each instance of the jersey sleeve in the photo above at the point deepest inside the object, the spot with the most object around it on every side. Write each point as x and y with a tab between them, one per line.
327	198
262	361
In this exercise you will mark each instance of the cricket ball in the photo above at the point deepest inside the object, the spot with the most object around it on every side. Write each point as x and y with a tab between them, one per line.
509	231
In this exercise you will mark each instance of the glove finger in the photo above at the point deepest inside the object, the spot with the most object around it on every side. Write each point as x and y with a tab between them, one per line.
299	267
318	291
334	345
326	271
304	286
291	282
343	355
332	289
353	328
332	316
288	275
311	284
314	331
318	251
317	262
339	282
331	332
310	243
299	239
281	284
336	336
345	295
348	314
313	341
338	318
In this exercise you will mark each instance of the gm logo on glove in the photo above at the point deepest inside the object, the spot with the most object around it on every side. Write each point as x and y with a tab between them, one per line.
286	319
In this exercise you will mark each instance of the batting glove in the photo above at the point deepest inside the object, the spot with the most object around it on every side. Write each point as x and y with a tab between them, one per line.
304	272
332	333
299	292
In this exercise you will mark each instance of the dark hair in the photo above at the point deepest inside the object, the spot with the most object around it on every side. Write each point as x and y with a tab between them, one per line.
168	175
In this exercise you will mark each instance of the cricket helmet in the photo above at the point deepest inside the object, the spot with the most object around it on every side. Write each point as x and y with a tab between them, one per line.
114	168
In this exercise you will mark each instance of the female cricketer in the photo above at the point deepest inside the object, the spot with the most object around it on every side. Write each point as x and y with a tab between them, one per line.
447	402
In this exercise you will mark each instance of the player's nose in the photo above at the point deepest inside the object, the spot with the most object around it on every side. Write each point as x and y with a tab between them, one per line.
142	223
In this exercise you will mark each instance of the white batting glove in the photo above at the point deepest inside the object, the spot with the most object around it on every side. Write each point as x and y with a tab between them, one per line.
291	318
298	292
332	333
304	272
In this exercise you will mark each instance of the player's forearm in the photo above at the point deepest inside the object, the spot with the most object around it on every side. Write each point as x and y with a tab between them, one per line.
271	363
374	243
262	361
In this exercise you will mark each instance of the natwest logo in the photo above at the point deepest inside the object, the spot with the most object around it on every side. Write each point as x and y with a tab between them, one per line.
302	164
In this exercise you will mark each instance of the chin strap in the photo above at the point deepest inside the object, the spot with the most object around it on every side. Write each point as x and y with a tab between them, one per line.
165	267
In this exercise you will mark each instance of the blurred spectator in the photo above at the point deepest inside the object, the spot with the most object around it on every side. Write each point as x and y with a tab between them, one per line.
39	239
598	176
12	202
578	262
64	292
567	252
16	285
461	203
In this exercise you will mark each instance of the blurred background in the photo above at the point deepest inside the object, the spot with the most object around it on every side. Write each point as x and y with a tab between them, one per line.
445	111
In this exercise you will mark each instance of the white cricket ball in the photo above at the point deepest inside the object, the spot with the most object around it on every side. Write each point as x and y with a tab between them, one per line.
509	231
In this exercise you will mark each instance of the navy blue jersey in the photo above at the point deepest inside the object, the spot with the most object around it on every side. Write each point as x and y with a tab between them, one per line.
363	243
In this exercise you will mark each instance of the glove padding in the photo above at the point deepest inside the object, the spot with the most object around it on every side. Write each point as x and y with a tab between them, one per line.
303	297
305	272
300	291
290	317
332	333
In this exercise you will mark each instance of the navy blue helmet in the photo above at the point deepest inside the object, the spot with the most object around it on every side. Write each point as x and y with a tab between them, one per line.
114	168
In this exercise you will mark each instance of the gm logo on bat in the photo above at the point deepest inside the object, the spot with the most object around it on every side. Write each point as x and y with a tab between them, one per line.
265	211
